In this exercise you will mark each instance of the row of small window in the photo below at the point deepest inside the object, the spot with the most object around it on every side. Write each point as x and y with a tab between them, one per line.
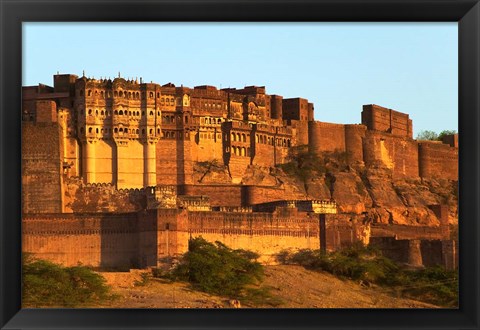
238	151
272	141
238	137
118	130
171	120
128	95
205	105
118	112
210	136
210	120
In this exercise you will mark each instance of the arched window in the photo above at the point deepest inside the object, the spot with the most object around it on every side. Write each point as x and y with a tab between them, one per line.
244	138
129	113
90	130
158	95
96	130
151	94
121	113
101	94
89	92
102	113
116	112
129	94
243	151
288	143
120	93
121	130
284	142
151	131
96	112
219	121
167	135
89	111
232	137
257	140
115	130
238	137
158	113
136	131
234	150
158	130
151	113
115	93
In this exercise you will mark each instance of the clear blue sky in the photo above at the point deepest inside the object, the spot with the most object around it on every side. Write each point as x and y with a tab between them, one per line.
410	67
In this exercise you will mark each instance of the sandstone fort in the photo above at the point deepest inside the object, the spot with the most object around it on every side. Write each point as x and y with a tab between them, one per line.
120	173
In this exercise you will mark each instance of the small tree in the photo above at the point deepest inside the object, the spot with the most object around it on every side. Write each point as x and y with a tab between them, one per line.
215	268
445	133
427	135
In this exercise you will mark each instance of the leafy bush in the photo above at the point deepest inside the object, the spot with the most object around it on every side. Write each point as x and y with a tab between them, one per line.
46	284
215	268
433	284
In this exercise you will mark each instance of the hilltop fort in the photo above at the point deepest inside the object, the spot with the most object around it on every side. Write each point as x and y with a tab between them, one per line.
121	172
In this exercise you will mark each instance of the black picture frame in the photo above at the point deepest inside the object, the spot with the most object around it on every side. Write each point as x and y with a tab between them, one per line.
14	12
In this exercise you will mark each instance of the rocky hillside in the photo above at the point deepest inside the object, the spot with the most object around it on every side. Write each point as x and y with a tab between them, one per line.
356	189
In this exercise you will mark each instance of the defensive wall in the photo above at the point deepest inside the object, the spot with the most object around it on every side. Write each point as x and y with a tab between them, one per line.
142	239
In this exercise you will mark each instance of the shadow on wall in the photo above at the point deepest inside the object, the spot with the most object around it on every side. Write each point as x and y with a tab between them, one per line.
128	241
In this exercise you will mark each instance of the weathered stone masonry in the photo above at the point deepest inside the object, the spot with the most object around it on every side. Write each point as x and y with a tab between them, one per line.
94	147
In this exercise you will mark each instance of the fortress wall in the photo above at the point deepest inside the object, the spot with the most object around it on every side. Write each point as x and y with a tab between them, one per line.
104	158
220	195
130	165
264	155
386	120
354	135
281	155
258	194
46	111
208	147
396	153
99	240
81	198
437	160
326	136
301	129
408	232
42	158
237	167
426	252
174	162
264	233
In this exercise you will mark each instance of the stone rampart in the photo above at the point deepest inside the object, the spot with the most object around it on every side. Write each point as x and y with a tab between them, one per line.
438	160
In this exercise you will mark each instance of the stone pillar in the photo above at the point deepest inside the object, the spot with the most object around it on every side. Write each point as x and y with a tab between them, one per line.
89	160
414	253
150	173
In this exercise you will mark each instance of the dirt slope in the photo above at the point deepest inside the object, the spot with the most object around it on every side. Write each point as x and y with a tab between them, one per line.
295	286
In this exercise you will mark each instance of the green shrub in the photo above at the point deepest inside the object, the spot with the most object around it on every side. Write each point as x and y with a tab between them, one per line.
46	284
366	264
215	268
